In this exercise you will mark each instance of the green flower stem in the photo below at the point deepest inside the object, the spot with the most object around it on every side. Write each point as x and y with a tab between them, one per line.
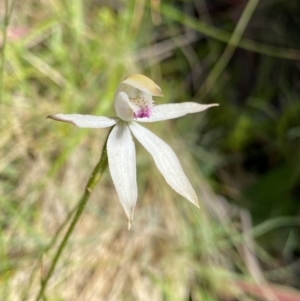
60	228
93	180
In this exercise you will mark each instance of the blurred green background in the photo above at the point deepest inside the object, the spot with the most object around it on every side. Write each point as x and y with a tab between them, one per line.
243	157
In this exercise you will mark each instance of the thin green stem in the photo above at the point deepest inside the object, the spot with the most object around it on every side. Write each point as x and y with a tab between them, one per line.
93	180
61	227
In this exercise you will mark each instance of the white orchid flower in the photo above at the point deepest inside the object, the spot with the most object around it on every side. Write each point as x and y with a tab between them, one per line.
133	103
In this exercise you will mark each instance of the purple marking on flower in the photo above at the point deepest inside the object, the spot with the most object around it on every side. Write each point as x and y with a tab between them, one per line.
142	113
143	106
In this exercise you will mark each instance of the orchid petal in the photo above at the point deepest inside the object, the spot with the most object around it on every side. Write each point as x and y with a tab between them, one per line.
171	111
166	161
122	166
85	121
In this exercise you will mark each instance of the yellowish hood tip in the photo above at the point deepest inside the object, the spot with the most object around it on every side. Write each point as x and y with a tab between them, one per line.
143	83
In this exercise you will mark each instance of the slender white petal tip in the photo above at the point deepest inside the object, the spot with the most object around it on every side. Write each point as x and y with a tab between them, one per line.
129	222
212	105
85	121
143	83
196	203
